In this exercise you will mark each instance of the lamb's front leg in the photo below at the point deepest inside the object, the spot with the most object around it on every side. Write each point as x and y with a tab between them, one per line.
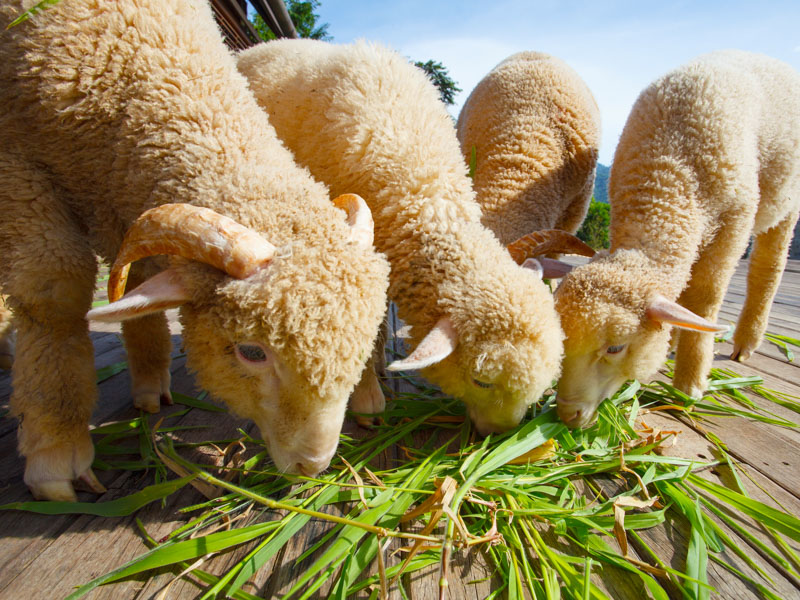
48	271
367	397
710	277
54	393
147	343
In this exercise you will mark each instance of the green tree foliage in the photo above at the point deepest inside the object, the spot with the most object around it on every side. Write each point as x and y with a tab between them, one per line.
601	183
304	19
594	230
438	74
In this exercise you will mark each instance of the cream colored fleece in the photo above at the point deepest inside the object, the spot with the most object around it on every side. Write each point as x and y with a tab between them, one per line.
110	108
364	120
535	129
709	156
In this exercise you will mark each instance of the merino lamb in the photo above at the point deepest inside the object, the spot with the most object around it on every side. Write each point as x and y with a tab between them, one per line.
709	155
130	116
534	127
362	118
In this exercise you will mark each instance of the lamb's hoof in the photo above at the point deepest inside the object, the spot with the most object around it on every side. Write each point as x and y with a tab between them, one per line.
148	402
49	472
55	491
151	401
368	422
62	490
696	392
740	353
690	386
368	399
89	479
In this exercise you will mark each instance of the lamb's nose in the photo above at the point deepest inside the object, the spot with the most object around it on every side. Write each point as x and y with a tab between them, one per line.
571	417
311	467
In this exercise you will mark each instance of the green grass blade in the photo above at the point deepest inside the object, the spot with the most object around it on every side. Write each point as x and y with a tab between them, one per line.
120	507
195	403
765	592
778	520
109	371
171	553
33	10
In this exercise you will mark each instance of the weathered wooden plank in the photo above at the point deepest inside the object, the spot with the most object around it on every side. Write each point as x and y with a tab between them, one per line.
671	542
777	372
766	489
784	323
126	543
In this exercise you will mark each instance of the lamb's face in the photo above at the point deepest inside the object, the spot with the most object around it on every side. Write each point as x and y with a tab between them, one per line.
609	340
504	358
495	380
285	349
299	425
280	334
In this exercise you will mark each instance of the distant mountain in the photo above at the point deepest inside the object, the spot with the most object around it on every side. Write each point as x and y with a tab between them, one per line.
601	183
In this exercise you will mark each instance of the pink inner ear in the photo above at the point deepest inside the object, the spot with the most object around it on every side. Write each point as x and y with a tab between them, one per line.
436	346
160	292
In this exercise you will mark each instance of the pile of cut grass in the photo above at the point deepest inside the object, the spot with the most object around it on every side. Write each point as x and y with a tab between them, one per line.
545	506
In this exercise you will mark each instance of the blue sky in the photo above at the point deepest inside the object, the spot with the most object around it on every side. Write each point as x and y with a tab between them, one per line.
616	46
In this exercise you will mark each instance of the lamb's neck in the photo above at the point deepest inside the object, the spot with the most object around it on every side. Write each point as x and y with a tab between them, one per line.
430	256
664	224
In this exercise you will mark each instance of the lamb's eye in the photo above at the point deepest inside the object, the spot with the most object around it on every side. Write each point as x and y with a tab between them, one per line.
252	353
615	349
482	384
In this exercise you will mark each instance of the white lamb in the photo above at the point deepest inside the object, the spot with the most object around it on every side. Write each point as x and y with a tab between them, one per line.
534	128
114	108
362	118
709	155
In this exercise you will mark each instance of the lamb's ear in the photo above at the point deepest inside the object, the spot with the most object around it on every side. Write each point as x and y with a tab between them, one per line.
533	264
436	346
160	292
548	268
667	311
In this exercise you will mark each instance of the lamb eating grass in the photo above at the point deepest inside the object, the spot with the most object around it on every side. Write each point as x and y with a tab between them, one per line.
710	154
535	130
363	119
130	116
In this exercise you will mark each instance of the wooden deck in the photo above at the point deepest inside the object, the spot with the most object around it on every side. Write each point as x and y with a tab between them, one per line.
47	556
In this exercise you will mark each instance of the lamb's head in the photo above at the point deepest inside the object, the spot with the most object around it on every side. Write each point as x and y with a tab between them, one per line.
617	327
280	334
498	344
